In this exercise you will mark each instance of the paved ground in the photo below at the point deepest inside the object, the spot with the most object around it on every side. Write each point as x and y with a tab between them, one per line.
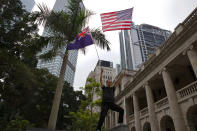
120	128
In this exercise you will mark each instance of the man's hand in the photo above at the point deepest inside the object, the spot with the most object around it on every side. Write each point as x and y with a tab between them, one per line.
101	70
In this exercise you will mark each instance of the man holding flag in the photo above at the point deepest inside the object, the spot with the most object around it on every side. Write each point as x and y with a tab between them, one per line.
119	20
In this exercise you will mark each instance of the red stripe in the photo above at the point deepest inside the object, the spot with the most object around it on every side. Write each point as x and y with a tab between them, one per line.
105	27
116	22
102	17
108	13
109	19
117	29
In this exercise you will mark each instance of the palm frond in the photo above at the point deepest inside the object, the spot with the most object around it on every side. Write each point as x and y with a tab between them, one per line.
44	13
63	26
48	55
100	39
57	43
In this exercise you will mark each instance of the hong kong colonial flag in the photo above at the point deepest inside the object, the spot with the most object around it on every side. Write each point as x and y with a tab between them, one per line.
118	20
82	40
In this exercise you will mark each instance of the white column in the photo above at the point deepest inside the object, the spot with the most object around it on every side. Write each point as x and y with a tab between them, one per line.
173	102
192	55
136	113
124	107
110	120
151	109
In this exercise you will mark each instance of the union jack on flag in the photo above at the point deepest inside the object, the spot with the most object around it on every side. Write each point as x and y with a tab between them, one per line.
118	20
82	40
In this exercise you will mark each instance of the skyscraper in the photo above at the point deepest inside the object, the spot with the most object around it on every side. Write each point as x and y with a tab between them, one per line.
118	68
54	65
138	43
28	4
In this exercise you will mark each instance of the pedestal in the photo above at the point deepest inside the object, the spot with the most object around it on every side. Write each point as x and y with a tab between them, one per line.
120	128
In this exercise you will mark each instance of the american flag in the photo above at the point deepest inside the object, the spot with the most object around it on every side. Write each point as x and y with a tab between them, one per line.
118	20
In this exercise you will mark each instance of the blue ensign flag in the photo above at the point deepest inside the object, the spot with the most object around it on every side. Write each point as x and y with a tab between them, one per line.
82	40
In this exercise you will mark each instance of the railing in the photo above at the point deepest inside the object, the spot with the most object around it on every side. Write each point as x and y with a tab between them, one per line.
161	103
144	112
188	90
131	117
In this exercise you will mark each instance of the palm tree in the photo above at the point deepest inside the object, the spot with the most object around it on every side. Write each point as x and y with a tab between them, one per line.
62	28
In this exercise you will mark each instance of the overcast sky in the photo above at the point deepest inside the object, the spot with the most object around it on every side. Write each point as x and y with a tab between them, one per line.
165	14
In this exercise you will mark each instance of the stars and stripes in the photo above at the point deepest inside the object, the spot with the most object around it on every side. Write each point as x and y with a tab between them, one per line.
118	20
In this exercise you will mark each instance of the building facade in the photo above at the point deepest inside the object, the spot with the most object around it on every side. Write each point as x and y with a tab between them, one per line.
28	4
54	65
138	43
162	94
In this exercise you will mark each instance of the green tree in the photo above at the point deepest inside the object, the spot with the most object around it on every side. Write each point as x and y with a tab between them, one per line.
28	92
18	31
63	27
85	119
25	91
18	125
70	101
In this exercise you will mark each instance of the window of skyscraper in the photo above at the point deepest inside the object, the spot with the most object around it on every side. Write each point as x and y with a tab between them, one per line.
159	39
148	36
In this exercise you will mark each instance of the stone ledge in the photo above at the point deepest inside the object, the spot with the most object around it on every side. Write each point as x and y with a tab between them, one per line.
41	129
120	128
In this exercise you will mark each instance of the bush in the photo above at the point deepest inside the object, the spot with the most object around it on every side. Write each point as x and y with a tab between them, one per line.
19	124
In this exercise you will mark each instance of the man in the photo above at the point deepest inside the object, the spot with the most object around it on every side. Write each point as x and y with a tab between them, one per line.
108	102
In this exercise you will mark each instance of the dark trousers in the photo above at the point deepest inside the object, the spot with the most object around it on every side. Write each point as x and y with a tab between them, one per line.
104	109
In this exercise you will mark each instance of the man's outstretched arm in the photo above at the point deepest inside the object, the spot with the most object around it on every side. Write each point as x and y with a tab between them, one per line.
101	78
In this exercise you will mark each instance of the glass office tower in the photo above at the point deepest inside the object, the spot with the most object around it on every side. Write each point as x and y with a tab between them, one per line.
28	4
138	43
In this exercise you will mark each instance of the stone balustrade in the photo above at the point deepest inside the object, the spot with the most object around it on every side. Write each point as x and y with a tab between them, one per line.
187	91
144	112
183	93
161	103
131	117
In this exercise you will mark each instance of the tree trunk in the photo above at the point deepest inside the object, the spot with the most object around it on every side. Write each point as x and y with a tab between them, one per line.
58	93
91	109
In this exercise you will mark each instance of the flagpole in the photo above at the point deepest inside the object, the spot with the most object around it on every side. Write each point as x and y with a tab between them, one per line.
96	52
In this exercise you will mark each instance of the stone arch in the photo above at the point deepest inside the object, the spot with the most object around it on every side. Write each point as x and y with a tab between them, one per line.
146	126
167	124
192	118
133	129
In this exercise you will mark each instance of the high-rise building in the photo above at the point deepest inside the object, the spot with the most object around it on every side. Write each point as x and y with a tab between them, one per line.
118	68
28	4
138	43
54	65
